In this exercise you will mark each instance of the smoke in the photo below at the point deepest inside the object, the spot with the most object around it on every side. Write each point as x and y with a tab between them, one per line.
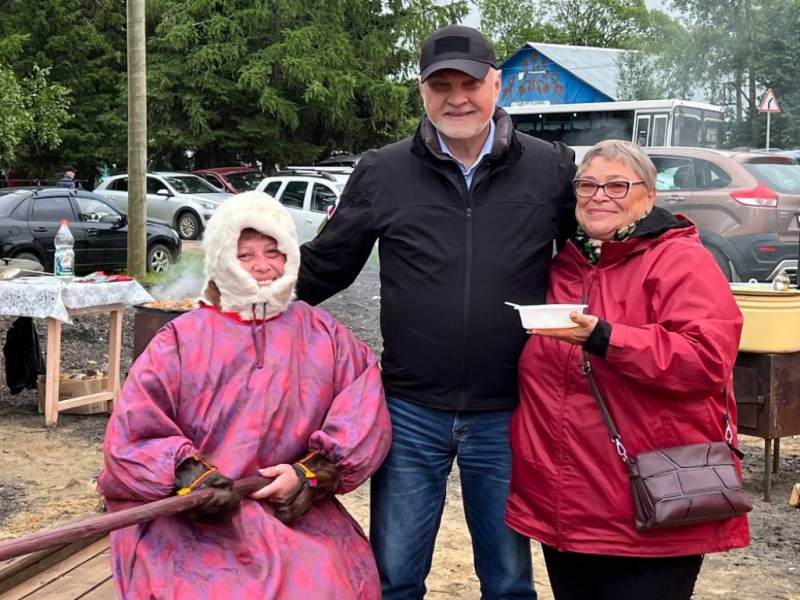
184	280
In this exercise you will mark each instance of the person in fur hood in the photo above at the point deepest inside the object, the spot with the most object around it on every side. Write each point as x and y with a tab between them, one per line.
252	382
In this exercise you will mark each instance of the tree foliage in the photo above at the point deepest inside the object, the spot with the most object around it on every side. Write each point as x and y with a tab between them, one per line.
600	23
653	71
597	23
280	81
729	53
32	110
289	81
81	45
228	80
778	68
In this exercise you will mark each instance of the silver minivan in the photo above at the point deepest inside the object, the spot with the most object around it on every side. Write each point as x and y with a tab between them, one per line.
183	200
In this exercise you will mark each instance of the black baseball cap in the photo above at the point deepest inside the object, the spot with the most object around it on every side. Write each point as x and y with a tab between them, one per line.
456	47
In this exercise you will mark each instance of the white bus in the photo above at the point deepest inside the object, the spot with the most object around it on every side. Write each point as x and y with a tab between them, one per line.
646	122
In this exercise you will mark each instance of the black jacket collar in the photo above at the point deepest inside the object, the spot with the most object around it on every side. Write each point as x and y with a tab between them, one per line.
506	147
657	222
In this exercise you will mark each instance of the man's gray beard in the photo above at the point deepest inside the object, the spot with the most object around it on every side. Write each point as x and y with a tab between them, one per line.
461	135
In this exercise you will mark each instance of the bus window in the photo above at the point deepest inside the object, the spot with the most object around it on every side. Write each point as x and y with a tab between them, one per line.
712	126
688	127
646	122
659	137
529	124
643	130
556	128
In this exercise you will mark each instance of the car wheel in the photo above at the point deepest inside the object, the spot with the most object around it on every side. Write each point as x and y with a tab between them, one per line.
29	256
188	226
723	261
159	259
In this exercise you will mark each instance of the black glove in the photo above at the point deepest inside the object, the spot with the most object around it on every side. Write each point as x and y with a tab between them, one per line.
319	480
195	473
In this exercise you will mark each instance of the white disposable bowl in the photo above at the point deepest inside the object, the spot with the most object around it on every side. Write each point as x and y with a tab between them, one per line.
548	316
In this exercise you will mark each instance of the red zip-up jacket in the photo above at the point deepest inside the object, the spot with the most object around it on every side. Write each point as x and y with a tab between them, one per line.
675	330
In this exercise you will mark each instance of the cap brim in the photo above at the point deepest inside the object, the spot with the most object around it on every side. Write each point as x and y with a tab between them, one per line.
473	68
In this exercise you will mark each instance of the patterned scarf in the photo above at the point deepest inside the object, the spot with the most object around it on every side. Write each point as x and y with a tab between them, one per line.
590	247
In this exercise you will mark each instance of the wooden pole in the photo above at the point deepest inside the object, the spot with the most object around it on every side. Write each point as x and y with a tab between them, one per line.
137	139
105	523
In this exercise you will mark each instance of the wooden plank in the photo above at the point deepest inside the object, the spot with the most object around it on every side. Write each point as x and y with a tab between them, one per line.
17	570
53	573
75	582
84	400
105	591
52	372
103	308
114	354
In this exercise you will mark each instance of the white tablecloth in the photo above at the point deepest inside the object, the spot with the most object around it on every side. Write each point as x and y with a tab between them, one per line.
43	296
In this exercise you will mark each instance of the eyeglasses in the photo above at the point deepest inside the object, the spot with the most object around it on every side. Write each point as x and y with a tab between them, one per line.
612	189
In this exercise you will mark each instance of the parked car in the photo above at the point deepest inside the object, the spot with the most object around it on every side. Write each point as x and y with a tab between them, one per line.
339	174
310	198
341	160
745	204
30	218
231	179
795	154
183	200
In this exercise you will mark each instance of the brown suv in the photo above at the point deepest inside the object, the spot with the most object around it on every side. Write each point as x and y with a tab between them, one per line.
745	204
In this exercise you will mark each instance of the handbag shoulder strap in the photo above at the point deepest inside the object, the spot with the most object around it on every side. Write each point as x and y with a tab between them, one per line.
586	367
616	438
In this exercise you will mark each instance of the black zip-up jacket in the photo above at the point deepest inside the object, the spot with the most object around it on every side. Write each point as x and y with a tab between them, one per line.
449	258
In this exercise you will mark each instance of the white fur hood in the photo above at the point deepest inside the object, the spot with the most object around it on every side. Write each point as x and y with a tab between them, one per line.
238	291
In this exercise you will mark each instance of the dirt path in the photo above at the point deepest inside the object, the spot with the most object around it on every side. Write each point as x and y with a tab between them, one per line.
46	477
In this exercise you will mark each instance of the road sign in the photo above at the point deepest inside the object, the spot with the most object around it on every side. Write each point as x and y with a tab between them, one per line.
769	103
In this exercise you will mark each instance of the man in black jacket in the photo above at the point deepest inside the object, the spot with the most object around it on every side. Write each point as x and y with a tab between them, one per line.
466	212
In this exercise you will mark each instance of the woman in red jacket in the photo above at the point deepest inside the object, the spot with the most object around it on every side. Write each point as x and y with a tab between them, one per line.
662	332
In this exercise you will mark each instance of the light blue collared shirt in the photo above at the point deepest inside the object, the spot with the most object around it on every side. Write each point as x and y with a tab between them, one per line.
487	147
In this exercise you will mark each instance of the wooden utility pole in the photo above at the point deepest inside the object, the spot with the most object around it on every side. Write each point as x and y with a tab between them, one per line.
137	139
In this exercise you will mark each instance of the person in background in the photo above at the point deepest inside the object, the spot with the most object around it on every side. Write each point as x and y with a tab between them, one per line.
68	179
662	335
466	213
249	383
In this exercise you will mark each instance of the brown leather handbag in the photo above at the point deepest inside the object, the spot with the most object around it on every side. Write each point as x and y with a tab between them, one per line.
683	485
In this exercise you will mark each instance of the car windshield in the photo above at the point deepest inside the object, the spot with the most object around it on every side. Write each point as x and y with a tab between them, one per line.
246	181
781	176
191	184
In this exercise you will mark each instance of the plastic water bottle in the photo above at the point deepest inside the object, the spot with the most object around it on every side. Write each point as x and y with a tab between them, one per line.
65	255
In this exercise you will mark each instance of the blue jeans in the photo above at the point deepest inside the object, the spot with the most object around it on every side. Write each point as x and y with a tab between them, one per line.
408	494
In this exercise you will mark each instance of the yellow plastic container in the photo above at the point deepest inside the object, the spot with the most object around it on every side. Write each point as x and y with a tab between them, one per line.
771	320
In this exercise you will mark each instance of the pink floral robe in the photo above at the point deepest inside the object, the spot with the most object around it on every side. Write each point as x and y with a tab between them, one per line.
198	388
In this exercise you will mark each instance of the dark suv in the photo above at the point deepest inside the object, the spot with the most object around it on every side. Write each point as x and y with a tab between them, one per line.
745	204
